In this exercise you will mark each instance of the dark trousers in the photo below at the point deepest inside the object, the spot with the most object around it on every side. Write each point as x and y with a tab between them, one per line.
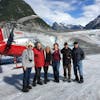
65	68
45	73
56	65
37	74
26	77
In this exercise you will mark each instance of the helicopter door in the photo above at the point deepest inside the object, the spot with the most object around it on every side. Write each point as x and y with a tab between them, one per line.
6	33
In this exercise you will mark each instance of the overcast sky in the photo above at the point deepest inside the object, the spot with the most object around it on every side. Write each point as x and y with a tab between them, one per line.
66	11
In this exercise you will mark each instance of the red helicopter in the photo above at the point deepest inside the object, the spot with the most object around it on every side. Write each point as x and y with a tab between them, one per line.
8	47
13	43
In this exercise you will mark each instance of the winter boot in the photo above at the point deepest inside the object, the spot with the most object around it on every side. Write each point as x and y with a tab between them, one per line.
45	81
57	81
25	89
48	80
76	78
81	79
40	83
34	84
65	79
69	80
29	87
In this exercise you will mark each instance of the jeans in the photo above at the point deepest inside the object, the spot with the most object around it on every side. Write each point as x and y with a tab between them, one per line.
26	77
56	66
78	67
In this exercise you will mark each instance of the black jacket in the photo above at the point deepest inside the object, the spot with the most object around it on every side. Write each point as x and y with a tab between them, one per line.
48	57
67	55
77	54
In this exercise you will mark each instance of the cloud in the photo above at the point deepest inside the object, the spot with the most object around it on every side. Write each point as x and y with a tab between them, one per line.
90	12
60	6
53	11
56	10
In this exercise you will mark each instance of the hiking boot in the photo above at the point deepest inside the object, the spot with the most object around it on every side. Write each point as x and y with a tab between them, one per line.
48	80
65	79
76	79
34	84
25	89
81	79
45	81
69	80
40	83
29	87
57	81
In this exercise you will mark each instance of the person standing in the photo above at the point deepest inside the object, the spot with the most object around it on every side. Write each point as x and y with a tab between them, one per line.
67	55
39	63
56	62
27	63
78	55
48	60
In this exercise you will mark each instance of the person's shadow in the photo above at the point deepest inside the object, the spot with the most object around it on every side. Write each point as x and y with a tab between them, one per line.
16	80
51	76
1	69
0	66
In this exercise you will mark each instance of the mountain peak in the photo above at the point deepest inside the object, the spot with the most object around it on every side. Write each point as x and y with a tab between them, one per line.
65	27
99	16
95	24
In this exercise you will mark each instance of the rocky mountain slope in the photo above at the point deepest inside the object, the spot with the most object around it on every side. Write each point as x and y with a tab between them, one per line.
95	24
13	10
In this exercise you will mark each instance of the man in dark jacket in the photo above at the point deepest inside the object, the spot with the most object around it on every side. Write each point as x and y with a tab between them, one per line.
67	55
78	56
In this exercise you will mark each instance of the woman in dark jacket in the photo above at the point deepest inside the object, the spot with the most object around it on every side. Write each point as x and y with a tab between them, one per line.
56	62
48	58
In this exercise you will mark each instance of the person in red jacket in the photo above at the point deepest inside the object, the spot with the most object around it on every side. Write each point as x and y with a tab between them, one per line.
39	60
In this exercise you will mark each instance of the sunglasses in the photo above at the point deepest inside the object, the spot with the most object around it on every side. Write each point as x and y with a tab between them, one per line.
30	46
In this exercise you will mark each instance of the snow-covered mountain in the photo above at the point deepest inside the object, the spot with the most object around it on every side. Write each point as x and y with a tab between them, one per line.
64	27
95	24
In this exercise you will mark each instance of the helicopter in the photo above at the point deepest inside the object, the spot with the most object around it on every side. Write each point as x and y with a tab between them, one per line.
13	42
